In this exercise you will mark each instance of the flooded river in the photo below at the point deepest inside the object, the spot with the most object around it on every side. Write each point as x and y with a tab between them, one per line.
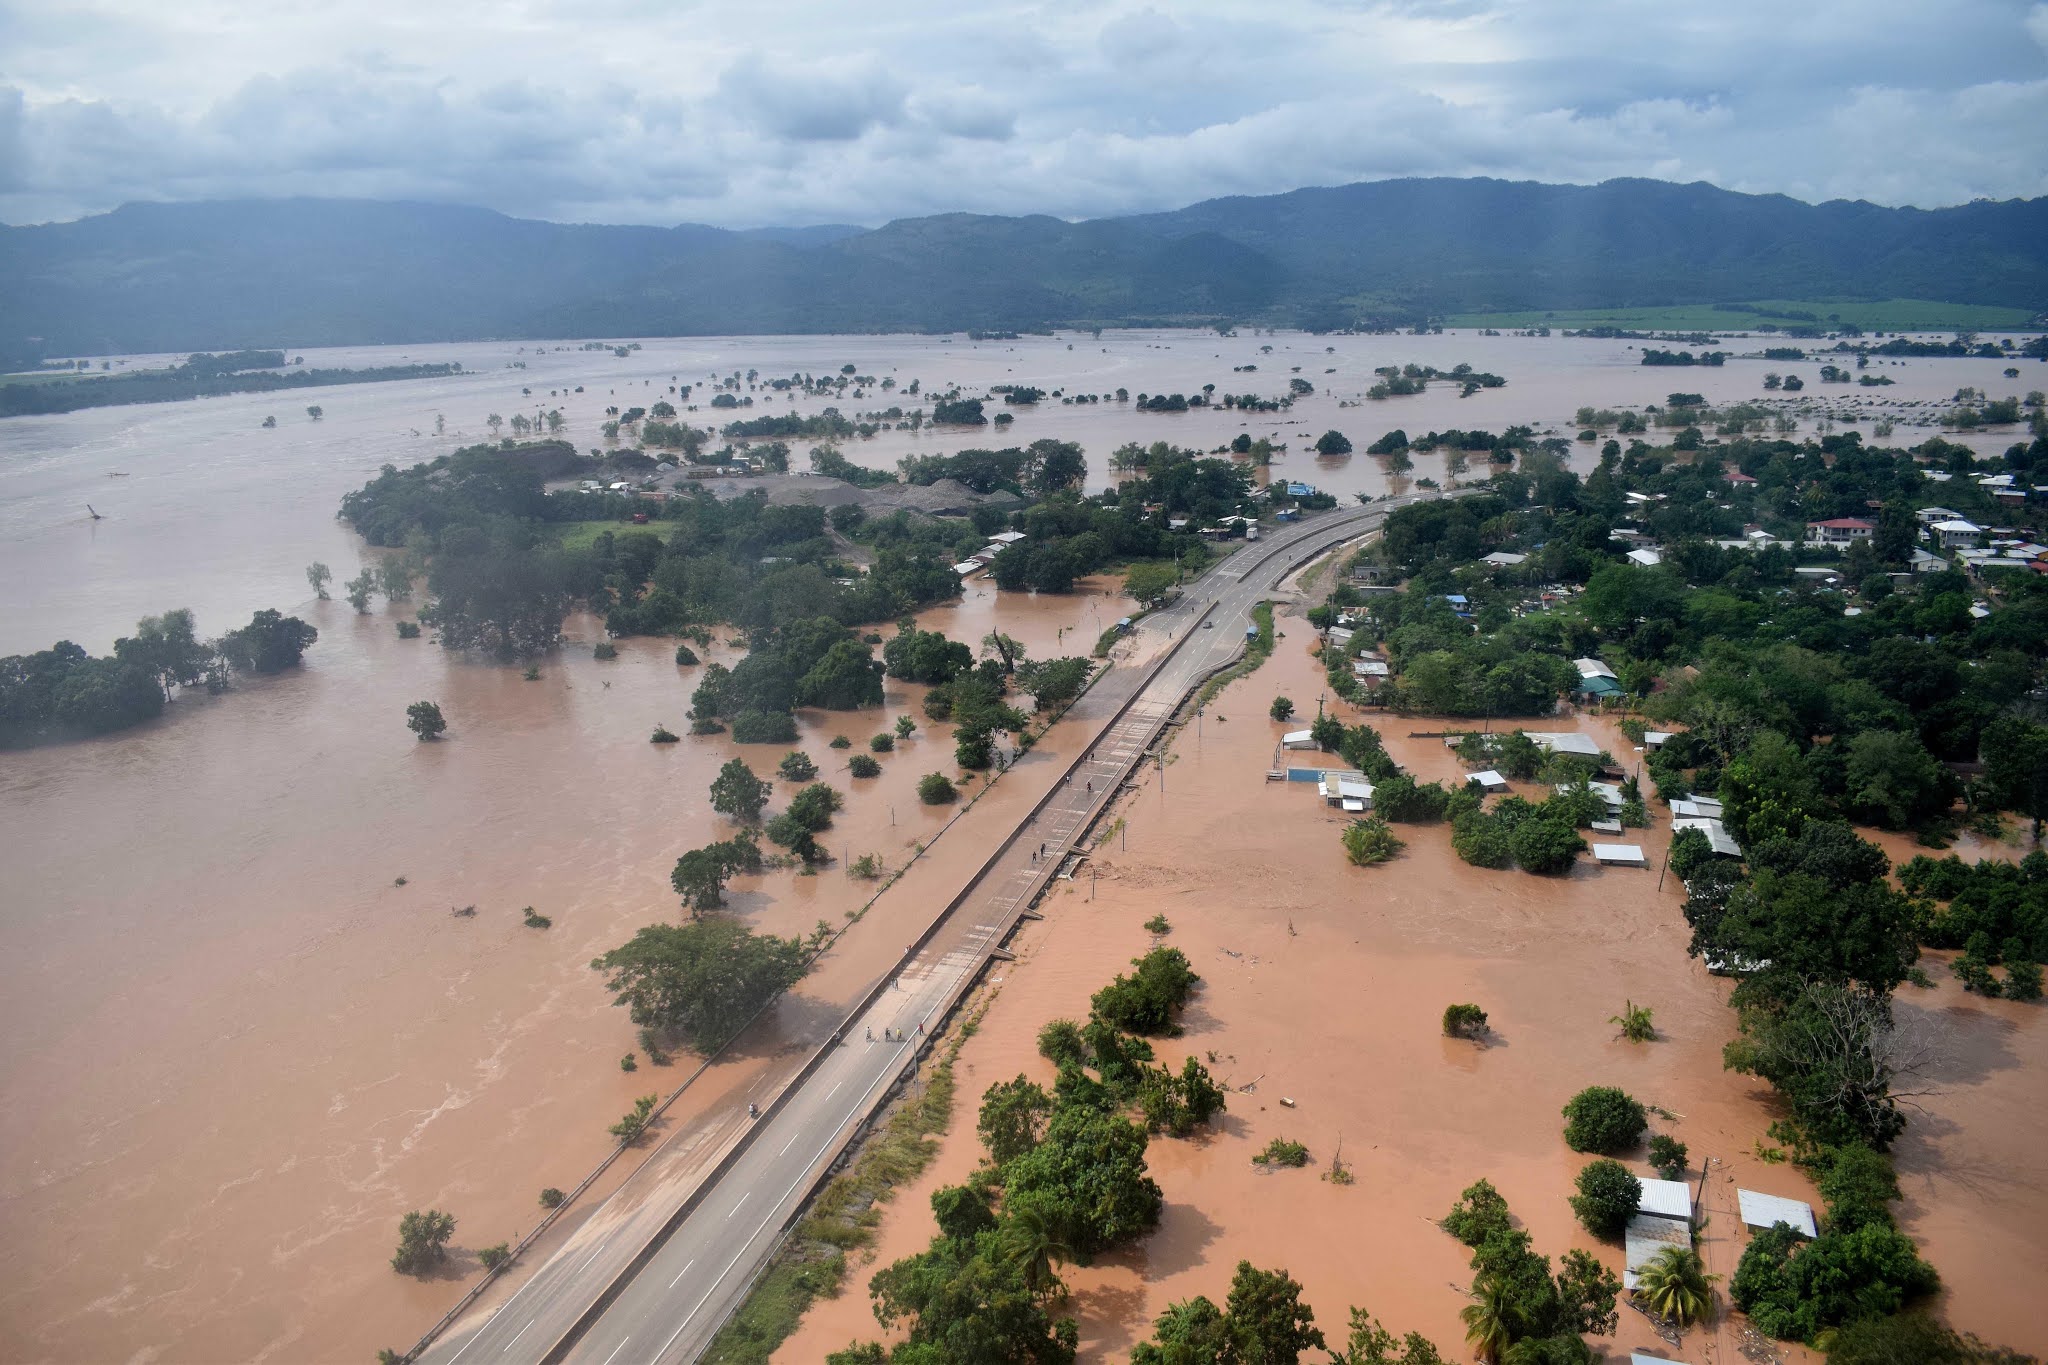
239	1048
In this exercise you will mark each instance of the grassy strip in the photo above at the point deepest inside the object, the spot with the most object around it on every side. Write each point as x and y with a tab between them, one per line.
1328	562
1108	638
1256	651
812	1263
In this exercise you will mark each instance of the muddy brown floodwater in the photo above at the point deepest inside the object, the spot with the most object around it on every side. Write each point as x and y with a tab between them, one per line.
1323	986
249	1050
239	1050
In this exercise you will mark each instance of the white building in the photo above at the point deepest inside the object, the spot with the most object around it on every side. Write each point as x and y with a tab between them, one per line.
1564	743
1839	532
1954	533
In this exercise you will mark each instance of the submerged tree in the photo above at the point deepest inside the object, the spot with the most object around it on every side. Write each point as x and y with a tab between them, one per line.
422	1241
702	980
424	719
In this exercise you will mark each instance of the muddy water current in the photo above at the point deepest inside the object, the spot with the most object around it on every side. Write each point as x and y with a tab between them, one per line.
239	1048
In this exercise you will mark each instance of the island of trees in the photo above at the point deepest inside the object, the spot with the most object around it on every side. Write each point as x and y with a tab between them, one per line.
199	376
64	693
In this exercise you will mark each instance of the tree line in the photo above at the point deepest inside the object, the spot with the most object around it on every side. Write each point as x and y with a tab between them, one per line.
65	693
199	376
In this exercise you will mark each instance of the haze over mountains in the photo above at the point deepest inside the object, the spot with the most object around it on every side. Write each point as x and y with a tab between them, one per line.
309	272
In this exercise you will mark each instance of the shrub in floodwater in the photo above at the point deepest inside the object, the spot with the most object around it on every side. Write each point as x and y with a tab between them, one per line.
633	1126
1601	1118
1281	1152
551	1198
407	630
860	765
841	742
1060	1042
934	789
605	649
1634	1023
662	735
493	1257
1158	925
536	920
1667	1157
1464	1021
626	1063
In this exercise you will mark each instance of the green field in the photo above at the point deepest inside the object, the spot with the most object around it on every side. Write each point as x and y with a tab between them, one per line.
1885	315
580	535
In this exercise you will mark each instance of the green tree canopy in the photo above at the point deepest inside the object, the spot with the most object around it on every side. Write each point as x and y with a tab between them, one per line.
737	793
703	980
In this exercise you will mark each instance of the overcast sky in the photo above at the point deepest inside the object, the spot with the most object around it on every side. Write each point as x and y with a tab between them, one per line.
814	111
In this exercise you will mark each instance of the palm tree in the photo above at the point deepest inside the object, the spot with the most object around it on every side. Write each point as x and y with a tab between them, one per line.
1634	1023
1675	1284
1033	1239
1486	1321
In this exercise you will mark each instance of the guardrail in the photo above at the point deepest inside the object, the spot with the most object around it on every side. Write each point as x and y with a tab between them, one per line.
1035	890
738	1148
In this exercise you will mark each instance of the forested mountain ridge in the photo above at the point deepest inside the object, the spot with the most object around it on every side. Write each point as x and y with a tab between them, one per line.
308	272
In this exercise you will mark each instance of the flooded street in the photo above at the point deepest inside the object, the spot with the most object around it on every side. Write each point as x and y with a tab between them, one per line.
1324	985
240	1049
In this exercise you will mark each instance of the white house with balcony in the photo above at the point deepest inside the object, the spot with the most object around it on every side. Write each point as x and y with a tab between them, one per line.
1839	532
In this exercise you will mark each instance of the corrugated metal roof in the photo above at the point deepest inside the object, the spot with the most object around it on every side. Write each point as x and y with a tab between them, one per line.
1765	1210
1563	742
1647	1235
1717	834
1665	1198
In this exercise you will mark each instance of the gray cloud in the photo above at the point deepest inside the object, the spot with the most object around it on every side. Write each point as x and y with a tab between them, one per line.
803	111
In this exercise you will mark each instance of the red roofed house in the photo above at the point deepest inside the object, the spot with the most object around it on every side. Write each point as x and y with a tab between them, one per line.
1736	476
1840	532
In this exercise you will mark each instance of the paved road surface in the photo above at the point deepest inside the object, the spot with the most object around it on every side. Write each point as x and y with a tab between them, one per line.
670	1299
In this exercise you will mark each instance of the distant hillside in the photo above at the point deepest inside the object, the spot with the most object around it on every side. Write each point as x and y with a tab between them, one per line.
302	272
